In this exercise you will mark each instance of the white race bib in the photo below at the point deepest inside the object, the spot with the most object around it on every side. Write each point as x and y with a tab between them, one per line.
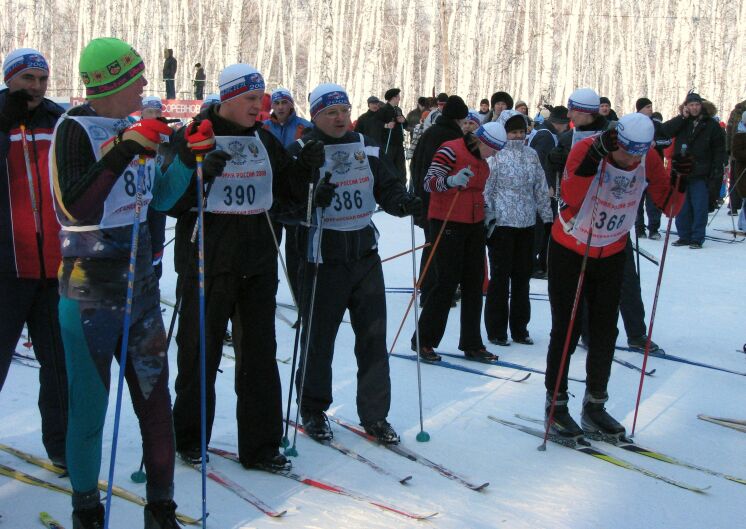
618	197
353	203
245	187
119	206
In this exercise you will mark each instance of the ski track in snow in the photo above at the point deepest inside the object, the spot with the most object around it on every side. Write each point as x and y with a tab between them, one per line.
699	316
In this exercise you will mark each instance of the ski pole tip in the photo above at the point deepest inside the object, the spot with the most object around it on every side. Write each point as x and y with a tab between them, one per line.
139	476
423	437
542	447
291	452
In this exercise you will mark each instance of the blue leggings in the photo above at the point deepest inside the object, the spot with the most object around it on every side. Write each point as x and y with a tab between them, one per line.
92	333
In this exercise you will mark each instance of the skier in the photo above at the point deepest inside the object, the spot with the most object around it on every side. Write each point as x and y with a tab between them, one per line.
350	276
94	173
30	251
240	272
607	210
515	193
455	181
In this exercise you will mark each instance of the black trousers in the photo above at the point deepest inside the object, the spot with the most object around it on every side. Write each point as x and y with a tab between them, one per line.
459	259
358	287
34	302
654	215
510	253
250	302
601	291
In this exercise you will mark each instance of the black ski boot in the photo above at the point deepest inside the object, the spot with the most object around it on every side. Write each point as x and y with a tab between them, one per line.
596	420
427	354
271	461
638	343
192	456
161	515
92	518
382	431
316	424
563	425
480	355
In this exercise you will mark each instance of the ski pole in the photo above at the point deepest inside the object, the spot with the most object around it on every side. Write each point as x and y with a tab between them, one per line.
386	150
422	436
202	349
301	292
655	305
637	245
139	476
279	254
135	239
405	252
425	269
39	227
292	451
573	312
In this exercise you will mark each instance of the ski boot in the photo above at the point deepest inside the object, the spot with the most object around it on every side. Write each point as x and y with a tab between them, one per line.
270	461
382	431
192	456
161	515
92	518
597	422
316	424
427	354
563	427
638	343
480	355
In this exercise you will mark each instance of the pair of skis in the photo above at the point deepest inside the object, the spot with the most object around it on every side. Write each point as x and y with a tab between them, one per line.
64	489
660	353
624	444
735	424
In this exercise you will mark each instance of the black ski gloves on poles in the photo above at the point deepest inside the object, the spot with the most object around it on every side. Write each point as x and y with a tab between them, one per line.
214	164
311	156
601	147
411	205
681	166
324	193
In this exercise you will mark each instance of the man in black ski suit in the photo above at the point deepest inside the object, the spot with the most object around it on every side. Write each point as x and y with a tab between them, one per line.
350	276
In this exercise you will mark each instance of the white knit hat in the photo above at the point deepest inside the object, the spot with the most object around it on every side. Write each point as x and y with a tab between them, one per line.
635	133
327	95
238	79
493	135
21	60
152	102
584	100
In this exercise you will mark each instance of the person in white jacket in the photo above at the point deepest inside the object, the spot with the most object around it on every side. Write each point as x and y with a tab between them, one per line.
515	192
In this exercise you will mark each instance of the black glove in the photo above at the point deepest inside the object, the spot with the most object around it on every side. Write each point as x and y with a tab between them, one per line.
15	110
311	156
557	157
411	205
324	193
600	148
681	166
214	164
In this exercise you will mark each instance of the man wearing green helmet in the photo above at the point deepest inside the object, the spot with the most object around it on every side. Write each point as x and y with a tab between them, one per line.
98	184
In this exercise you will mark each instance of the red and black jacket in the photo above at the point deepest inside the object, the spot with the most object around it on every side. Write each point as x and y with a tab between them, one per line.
19	256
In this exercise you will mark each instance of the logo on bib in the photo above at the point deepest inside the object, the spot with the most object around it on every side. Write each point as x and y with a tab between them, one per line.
235	149
254	150
98	133
622	186
341	163
359	156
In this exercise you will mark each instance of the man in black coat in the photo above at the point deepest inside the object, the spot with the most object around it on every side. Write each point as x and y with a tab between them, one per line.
392	139
705	140
367	124
169	73
447	127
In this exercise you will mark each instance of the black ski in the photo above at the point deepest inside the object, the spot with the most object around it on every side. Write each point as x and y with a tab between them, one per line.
502	363
465	369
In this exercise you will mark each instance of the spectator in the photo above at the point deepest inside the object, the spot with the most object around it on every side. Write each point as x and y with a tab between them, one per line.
645	106
394	124
705	140
415	116
432	117
521	107
604	108
199	81
169	73
500	101
484	108
366	124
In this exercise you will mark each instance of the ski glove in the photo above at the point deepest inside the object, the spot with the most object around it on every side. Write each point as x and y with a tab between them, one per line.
324	193
311	156
460	179
15	110
411	205
557	157
141	138
682	166
605	143
199	139
214	164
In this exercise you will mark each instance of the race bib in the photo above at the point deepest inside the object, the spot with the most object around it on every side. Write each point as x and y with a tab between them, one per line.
245	187
119	206
617	194
580	135
353	203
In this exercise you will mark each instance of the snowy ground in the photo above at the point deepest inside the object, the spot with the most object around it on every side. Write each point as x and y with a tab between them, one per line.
700	316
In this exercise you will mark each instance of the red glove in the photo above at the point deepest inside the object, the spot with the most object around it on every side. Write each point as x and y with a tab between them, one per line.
200	137
141	138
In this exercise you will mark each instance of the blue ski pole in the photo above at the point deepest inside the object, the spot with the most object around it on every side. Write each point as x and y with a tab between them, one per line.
125	331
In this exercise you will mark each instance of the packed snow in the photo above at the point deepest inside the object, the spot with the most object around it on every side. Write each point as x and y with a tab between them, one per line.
700	316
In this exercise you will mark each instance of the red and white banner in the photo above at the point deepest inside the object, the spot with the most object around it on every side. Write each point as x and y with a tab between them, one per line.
173	108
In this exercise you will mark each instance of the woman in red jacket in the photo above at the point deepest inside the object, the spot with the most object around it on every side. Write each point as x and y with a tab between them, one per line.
604	207
456	179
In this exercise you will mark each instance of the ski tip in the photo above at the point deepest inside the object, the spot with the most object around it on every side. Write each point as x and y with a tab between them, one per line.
405	480
480	488
277	514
